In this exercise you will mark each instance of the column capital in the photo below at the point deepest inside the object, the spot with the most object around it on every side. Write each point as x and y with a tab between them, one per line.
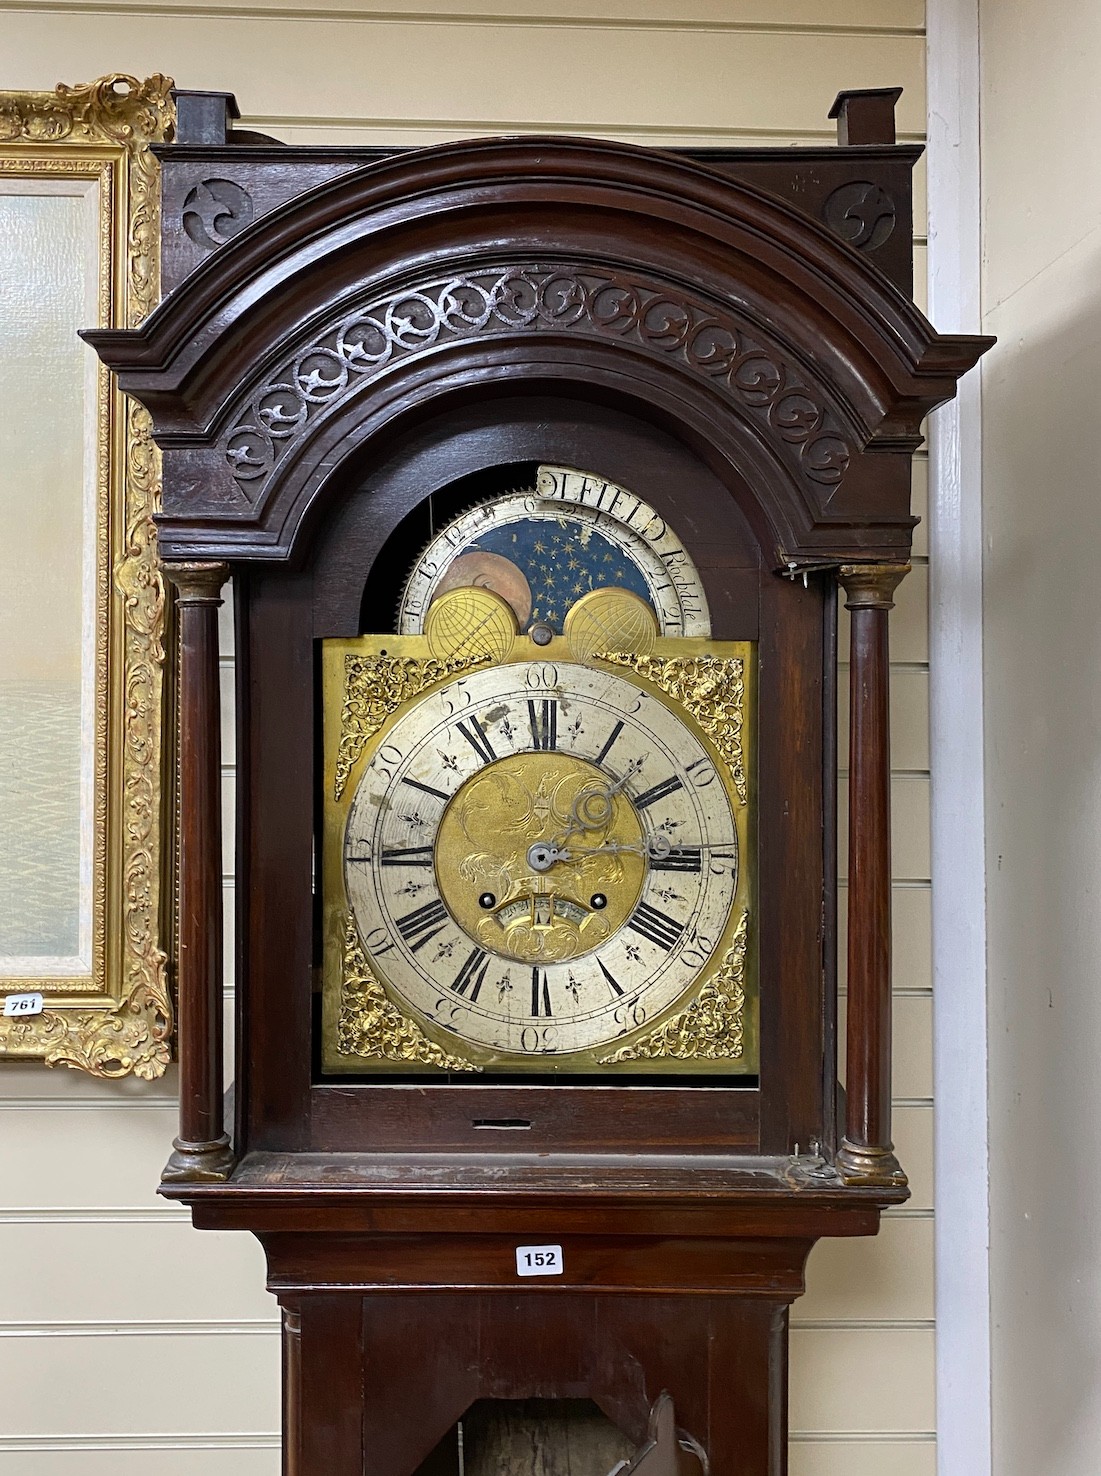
197	583
871	586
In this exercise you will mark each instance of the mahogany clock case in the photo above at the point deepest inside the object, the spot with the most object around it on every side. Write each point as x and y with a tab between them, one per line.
356	344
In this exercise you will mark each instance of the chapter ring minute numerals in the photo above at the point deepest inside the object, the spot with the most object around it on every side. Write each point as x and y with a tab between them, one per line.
541	858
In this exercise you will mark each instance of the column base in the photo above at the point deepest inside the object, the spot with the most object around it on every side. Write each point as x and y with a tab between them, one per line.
199	1163
870	1167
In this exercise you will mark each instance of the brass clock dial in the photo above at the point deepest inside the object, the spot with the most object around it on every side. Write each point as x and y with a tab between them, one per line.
542	857
543	549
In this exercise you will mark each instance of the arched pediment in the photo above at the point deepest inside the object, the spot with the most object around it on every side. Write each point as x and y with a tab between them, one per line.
617	271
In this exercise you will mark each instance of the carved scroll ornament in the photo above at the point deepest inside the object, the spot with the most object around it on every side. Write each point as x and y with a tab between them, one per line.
712	344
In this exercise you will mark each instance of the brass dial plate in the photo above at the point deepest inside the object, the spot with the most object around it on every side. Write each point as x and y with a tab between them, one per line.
632	945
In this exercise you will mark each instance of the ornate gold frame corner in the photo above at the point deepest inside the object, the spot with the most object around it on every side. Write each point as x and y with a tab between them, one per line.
117	1019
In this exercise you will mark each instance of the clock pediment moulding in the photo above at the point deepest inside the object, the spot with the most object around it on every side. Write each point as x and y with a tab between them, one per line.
311	329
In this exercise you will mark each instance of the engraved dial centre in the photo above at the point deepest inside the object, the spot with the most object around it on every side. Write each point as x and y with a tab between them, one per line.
534	807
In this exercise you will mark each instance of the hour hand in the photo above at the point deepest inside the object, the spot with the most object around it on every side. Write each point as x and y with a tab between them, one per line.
594	806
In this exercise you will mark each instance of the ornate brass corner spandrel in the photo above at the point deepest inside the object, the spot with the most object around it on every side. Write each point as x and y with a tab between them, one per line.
712	690
371	1026
711	1028
871	586
376	686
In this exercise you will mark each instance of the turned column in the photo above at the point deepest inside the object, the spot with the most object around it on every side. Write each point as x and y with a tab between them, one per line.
292	1391
202	1151
867	1155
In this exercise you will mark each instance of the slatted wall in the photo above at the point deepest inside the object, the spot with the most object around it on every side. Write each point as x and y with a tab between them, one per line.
130	1343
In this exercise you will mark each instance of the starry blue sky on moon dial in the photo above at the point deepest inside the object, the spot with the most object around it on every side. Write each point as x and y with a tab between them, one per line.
562	560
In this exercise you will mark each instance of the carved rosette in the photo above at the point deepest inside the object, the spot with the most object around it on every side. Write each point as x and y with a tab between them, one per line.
861	213
373	1027
214	211
711	689
376	686
132	1036
710	1029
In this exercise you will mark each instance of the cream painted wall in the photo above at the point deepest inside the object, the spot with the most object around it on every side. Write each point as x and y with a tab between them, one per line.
1041	171
137	1343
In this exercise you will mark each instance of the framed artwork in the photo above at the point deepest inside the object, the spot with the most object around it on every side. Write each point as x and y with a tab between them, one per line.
85	766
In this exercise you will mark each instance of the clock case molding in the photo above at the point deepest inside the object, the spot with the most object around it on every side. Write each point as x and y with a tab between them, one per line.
346	332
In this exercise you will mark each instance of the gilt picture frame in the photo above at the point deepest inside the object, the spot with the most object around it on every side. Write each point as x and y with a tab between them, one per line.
86	759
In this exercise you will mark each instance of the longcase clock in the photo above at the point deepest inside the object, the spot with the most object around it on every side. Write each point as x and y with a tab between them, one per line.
538	466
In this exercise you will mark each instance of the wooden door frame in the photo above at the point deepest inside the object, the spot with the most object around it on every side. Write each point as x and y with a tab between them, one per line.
961	1155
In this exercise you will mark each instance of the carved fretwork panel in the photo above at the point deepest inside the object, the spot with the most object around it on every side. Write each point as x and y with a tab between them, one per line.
780	398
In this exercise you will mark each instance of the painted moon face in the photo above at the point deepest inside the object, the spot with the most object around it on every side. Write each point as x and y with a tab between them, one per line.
484	570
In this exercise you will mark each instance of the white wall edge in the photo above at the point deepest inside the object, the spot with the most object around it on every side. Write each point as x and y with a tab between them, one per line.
961	1143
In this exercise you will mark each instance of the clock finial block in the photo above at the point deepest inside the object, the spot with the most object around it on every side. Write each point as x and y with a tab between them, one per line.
866	115
204	117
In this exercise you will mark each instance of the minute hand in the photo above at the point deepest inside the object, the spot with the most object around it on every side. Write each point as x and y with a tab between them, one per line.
542	856
656	846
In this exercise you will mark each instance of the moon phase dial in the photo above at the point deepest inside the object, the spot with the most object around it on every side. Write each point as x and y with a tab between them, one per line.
575	534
